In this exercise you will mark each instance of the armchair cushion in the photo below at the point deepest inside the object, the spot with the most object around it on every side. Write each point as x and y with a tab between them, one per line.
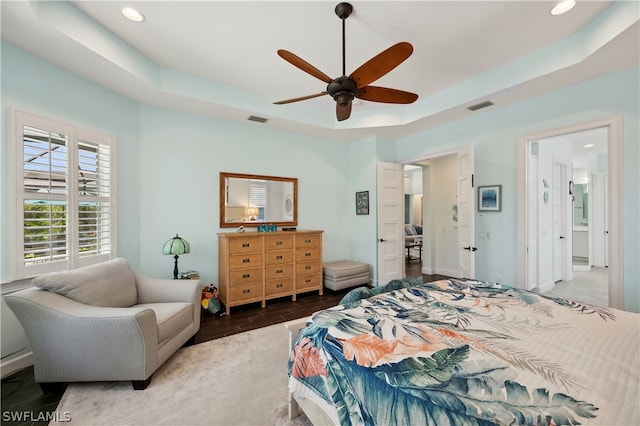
108	284
171	317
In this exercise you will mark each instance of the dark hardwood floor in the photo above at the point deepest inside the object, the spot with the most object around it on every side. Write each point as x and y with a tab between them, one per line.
21	396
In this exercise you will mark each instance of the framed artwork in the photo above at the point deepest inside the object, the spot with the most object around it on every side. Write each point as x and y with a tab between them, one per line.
362	202
490	198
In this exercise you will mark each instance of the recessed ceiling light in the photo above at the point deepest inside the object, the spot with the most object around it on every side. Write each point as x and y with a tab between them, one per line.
132	14
589	145
563	7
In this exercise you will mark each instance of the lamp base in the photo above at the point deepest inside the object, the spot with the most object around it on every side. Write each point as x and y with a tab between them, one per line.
175	268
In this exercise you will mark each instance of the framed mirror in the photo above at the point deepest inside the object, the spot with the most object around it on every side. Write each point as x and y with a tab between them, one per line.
252	200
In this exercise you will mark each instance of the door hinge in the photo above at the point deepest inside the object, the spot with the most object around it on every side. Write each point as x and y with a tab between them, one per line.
472	183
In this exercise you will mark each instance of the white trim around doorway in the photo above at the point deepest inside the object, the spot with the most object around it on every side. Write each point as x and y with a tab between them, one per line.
615	206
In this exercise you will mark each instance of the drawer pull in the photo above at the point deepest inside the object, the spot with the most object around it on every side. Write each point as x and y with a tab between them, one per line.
278	257
307	254
279	285
307	280
246	275
246	260
307	241
278	243
278	271
307	267
246	291
246	244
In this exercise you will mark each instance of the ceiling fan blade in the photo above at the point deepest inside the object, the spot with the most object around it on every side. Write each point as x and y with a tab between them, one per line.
381	64
304	65
343	112
386	95
301	98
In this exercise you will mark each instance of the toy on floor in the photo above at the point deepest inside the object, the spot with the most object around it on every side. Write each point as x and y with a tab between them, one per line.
211	301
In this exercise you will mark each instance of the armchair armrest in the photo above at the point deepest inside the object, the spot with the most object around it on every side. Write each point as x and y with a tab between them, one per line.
73	341
157	290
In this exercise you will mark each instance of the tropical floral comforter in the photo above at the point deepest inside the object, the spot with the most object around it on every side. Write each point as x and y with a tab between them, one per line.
466	352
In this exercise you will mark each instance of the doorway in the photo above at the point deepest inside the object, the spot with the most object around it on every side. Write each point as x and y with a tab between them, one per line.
596	211
573	207
448	200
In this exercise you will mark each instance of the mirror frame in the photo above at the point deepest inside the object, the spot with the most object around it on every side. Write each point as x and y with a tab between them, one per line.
223	199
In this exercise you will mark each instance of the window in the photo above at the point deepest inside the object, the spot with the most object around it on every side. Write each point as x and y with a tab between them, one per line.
64	185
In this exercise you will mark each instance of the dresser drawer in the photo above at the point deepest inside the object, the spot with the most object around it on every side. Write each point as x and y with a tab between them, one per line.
244	276
280	242
308	282
306	254
278	271
312	240
246	292
275	257
304	268
244	261
245	245
273	287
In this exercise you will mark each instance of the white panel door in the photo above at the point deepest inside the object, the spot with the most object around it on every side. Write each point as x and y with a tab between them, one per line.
466	208
560	230
390	222
532	217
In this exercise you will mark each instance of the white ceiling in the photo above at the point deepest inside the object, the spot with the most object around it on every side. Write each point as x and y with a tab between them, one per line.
219	58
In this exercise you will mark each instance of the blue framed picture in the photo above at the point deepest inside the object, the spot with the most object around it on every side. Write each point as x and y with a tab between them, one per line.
362	202
490	198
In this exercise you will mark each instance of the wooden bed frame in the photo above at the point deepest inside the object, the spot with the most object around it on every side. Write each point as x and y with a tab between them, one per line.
315	415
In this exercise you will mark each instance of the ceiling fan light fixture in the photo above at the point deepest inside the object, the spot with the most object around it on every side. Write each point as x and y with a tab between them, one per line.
563	7
343	98
132	14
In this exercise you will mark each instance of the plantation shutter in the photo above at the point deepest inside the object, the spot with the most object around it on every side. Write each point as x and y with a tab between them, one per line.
258	197
94	184
45	188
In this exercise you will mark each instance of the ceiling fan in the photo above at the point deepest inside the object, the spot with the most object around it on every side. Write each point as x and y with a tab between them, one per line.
344	89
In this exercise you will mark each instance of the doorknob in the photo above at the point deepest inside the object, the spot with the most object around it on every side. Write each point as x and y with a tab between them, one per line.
467	248
562	237
382	240
474	248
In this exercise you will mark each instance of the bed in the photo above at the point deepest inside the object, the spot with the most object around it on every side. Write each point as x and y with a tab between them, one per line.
466	352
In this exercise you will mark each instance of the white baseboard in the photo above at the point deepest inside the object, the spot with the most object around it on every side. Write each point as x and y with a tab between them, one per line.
546	287
427	270
583	268
448	272
16	364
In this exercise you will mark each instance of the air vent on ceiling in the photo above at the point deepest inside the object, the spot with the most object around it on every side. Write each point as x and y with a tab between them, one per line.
480	106
257	119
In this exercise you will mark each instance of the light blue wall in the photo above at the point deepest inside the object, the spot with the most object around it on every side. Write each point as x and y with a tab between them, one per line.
36	86
182	157
494	134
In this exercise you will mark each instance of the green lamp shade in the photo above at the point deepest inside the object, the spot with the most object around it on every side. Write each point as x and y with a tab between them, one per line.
176	245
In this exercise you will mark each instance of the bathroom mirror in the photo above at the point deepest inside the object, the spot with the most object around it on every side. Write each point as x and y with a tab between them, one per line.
252	200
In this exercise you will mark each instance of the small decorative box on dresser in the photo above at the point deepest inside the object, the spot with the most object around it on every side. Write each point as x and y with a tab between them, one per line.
258	266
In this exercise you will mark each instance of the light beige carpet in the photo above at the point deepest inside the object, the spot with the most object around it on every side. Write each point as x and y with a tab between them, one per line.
236	380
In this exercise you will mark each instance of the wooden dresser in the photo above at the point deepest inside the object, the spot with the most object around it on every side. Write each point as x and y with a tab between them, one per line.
258	266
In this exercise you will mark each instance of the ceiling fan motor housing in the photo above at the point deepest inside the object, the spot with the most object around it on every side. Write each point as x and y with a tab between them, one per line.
342	90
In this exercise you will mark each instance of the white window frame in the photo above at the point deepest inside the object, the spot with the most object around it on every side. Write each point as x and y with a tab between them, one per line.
75	134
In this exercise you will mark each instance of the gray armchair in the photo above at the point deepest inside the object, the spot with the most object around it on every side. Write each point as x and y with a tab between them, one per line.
105	322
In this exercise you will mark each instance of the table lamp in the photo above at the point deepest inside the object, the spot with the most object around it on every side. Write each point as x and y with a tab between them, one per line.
176	246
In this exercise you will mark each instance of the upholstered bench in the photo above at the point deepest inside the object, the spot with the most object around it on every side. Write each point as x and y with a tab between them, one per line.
343	274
